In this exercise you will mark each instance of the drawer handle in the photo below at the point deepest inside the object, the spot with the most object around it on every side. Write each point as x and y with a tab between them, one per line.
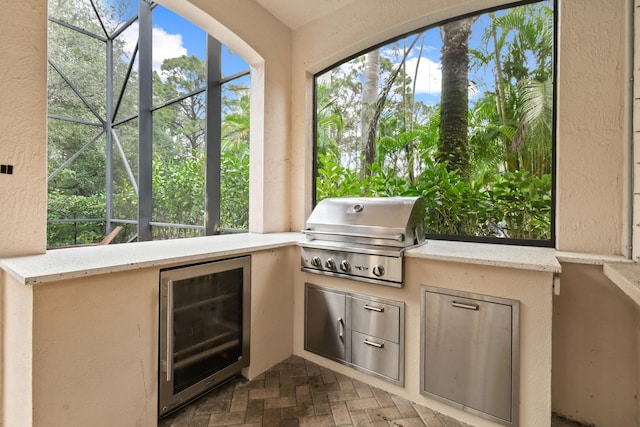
373	343
465	306
372	308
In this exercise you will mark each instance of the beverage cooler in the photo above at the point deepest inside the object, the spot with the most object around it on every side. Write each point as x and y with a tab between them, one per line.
204	328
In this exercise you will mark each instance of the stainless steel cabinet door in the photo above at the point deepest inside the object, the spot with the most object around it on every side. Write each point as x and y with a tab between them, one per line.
325	319
470	353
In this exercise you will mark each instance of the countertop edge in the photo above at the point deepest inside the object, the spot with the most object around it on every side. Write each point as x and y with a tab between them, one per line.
71	263
506	256
590	259
625	276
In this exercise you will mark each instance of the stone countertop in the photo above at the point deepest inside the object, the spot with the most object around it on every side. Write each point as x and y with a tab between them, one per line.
69	263
626	276
507	256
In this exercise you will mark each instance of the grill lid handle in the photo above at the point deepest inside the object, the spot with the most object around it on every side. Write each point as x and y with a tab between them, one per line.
397	237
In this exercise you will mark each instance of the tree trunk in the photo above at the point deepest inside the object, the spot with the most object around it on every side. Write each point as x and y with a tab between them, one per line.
384	93
369	96
454	107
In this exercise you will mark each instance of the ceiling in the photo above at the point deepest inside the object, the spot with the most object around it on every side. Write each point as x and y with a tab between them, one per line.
296	13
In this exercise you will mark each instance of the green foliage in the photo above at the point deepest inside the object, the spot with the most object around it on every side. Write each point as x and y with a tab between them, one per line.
234	189
66	207
178	194
334	180
506	189
523	204
514	204
179	129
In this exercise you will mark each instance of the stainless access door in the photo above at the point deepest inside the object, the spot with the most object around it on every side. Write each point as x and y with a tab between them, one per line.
470	352
325	322
204	328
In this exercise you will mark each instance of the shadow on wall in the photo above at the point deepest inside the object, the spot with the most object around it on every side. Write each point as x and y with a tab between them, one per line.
595	351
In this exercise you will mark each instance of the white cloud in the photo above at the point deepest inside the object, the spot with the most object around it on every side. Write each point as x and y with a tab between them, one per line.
429	79
165	45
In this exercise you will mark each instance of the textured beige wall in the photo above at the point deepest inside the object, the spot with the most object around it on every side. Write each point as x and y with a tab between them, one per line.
17	357
95	351
1	346
636	134
592	125
595	350
271	313
532	289
85	351
23	121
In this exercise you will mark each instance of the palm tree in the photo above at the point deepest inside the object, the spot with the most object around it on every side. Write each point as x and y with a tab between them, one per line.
371	76
522	47
454	107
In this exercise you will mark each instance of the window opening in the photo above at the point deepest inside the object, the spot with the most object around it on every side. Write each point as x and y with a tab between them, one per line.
461	113
148	125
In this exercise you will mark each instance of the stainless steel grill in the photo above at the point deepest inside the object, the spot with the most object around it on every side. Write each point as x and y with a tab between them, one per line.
363	238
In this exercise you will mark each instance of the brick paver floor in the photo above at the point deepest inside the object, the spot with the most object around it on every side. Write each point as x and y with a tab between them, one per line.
297	392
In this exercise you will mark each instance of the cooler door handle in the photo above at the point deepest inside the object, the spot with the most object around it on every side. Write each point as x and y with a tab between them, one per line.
169	330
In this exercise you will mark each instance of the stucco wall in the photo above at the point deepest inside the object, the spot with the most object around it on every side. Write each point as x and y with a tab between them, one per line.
23	109
271	314
592	125
85	351
17	338
595	349
95	351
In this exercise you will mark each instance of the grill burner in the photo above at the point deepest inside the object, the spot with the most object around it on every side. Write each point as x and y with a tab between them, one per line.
363	238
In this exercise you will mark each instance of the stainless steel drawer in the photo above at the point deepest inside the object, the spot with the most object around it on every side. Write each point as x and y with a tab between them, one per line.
371	316
375	354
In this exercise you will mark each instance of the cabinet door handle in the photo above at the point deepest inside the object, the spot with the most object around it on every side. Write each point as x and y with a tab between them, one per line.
340	328
465	306
372	308
373	343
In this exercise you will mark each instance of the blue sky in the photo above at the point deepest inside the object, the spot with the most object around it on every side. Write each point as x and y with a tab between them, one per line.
429	78
194	39
174	36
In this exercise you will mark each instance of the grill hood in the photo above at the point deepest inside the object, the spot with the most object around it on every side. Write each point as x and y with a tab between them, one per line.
383	221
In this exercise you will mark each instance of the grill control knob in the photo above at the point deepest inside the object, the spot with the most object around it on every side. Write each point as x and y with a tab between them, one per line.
344	265
378	270
316	262
331	264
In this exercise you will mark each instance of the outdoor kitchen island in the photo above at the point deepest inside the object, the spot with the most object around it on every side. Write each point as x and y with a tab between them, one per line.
82	324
